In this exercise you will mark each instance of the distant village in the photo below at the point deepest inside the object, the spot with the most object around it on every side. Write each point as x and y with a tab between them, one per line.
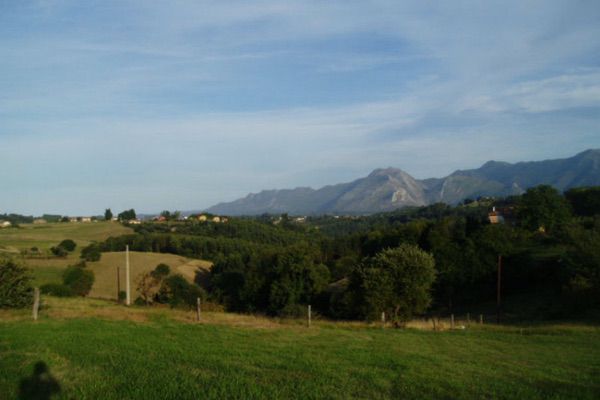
208	218
497	215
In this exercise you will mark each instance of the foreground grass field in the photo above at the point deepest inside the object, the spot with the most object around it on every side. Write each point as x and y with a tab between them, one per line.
95	349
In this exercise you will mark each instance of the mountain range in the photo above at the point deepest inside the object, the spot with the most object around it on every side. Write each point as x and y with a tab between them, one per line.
391	188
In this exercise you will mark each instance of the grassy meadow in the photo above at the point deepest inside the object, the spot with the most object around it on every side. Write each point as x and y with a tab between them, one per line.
105	270
97	349
45	236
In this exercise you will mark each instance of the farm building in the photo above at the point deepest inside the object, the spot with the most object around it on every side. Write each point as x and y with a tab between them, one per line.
495	217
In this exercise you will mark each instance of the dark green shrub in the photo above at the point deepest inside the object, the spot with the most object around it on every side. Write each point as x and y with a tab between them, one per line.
161	271
15	286
91	253
68	245
56	289
122	296
59	251
139	302
79	279
178	292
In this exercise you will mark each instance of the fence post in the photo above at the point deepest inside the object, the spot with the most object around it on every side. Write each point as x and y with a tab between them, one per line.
451	321
481	319
36	303
309	315
434	326
198	310
383	320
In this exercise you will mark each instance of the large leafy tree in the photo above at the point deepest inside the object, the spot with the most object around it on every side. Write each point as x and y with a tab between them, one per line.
396	281
543	207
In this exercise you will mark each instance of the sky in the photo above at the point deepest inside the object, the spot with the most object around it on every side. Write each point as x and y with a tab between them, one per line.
179	105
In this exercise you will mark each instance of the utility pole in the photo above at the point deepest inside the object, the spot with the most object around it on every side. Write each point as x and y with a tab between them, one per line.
118	283
128	299
499	289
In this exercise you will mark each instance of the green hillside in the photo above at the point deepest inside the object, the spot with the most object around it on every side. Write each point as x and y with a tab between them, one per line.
105	270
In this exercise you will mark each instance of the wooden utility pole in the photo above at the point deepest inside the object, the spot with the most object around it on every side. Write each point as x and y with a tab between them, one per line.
499	289
127	285
36	303
118	283
198	309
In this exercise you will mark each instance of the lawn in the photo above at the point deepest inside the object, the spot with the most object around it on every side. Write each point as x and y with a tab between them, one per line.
96	349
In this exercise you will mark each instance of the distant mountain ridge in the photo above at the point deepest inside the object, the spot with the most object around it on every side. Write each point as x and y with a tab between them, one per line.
391	188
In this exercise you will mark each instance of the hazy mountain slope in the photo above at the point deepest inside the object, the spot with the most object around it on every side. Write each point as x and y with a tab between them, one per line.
388	189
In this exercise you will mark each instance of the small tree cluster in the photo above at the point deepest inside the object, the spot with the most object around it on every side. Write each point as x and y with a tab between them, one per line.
15	285
150	283
161	287
64	248
127	215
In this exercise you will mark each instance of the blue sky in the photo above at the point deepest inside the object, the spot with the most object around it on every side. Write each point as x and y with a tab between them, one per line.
180	105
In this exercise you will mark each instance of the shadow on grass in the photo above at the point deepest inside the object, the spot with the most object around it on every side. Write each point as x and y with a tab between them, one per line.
41	385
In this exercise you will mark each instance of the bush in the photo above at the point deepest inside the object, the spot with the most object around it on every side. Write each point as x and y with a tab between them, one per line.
161	271
15	286
122	296
68	245
59	251
91	252
177	292
56	289
79	279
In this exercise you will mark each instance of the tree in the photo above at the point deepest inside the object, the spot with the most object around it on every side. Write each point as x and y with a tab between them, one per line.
68	245
161	271
15	285
148	286
396	281
108	214
150	282
127	215
542	207
177	291
91	252
585	201
79	279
